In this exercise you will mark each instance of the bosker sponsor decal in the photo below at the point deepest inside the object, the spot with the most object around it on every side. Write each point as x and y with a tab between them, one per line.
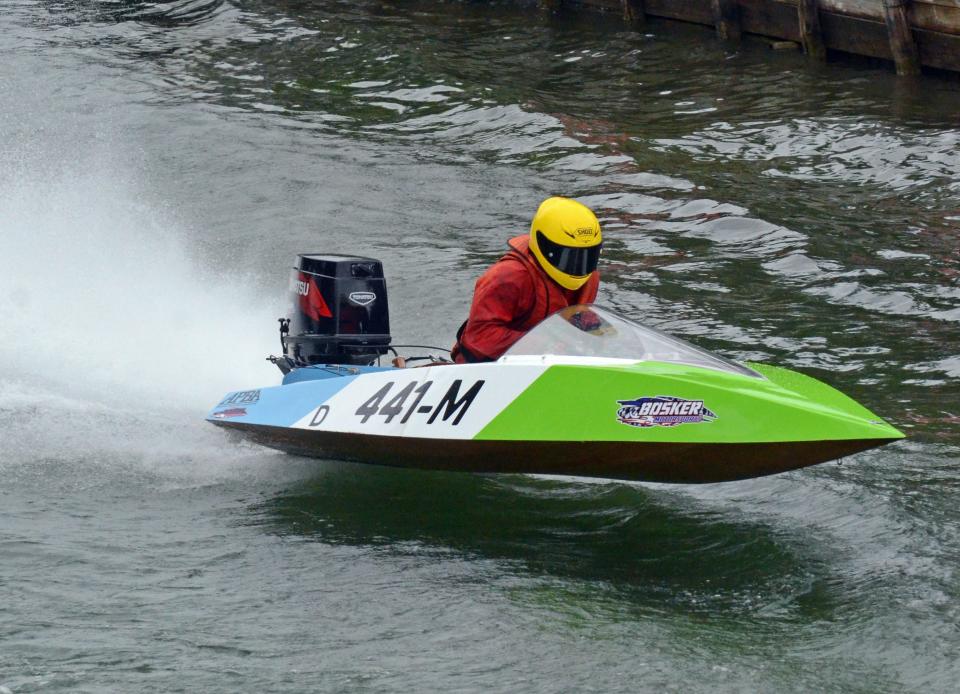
663	411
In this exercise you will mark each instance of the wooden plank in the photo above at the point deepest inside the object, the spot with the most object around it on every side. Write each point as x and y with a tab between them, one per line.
938	43
697	11
776	19
939	50
602	5
869	38
931	15
853	35
941	3
935	17
808	14
869	9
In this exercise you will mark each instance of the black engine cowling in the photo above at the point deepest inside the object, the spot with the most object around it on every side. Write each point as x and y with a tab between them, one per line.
340	313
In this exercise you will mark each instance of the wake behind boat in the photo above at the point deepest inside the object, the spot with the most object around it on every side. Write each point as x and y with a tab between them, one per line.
587	392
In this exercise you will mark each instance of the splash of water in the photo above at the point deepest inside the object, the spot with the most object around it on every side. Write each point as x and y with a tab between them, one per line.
113	330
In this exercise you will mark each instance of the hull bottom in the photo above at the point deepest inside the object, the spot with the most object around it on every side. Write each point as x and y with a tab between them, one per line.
650	462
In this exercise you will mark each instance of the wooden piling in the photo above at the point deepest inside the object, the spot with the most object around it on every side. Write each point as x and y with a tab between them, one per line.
726	18
634	11
811	35
902	44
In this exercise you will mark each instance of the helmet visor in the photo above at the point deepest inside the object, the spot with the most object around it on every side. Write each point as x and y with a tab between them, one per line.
572	261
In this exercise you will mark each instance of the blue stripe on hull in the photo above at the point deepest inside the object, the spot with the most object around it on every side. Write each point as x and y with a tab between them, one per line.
278	405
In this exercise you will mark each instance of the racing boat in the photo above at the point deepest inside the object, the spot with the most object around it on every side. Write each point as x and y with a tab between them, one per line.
587	392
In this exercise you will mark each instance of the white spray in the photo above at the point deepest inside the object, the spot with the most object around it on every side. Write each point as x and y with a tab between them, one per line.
114	337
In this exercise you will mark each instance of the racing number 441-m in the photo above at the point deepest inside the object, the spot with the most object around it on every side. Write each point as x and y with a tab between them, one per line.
451	405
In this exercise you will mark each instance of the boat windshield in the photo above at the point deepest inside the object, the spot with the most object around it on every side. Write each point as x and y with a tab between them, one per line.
589	331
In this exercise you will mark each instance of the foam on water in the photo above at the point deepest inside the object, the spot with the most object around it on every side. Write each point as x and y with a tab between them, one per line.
117	338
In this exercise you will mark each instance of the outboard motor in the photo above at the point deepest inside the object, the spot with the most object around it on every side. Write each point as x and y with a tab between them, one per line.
340	312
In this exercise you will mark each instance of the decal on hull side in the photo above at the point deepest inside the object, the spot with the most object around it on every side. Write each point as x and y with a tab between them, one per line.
435	402
663	411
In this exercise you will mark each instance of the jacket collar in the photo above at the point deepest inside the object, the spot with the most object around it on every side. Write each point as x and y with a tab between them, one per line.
520	244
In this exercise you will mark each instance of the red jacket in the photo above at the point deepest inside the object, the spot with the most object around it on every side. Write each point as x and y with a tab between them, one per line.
510	298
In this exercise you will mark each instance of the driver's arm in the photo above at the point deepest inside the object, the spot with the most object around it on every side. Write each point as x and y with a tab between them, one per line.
500	304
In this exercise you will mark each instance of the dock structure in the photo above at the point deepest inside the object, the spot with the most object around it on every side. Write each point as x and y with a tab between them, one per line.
910	33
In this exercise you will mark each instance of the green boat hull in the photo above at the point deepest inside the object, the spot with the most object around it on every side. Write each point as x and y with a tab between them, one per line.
647	421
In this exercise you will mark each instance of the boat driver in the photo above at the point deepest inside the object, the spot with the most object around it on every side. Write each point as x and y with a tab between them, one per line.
552	267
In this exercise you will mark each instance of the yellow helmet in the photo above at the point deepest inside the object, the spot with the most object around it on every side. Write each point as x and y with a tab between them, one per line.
565	239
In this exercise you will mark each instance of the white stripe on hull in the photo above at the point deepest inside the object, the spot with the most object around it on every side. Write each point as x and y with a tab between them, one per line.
437	402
